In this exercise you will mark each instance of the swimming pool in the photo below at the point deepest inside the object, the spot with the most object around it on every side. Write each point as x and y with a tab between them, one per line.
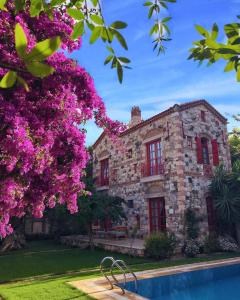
219	283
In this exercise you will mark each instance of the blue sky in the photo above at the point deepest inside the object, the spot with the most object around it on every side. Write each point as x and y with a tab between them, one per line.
157	82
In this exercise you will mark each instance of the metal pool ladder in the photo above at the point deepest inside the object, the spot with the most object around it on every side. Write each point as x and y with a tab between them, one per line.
120	265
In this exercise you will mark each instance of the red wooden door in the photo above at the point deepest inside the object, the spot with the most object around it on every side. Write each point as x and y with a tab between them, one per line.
157	214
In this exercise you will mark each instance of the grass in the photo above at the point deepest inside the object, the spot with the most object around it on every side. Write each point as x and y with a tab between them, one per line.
42	271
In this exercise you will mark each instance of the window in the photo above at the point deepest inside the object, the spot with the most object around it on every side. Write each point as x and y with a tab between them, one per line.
203	116
154	158
157	214
129	153
205	154
130	204
189	142
104	172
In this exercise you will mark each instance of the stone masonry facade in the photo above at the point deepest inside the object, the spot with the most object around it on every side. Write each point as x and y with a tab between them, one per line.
183	173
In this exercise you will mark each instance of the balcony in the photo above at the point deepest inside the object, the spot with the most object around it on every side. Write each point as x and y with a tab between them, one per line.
207	170
152	173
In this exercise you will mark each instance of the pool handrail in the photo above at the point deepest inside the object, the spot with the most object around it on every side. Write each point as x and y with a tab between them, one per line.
122	266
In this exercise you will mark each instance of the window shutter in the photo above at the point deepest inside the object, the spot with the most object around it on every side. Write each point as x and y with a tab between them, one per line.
199	150
215	153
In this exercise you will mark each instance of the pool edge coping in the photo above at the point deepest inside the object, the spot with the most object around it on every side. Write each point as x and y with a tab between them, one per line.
98	288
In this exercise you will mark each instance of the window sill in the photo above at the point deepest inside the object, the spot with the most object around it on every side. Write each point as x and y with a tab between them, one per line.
102	188
152	178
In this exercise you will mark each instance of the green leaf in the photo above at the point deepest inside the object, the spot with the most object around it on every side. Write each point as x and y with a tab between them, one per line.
57	2
2	4
90	25
108	59
238	74
23	82
148	3
114	62
120	38
95	34
39	69
19	5
164	20
232	30
150	12
78	30
96	19
110	49
94	2
164	4
8	80
215	31
75	13
229	66
106	35
166	29
119	25
36	7
20	41
202	31
43	49
212	44
124	60
120	72
154	29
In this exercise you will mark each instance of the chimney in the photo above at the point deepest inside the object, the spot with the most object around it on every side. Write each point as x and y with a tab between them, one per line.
135	116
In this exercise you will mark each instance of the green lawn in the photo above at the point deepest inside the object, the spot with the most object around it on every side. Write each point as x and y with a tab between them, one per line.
42	271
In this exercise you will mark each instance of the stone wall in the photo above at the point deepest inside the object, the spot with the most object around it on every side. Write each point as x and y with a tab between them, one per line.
183	183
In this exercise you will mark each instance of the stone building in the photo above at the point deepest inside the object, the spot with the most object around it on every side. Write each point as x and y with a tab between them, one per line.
164	166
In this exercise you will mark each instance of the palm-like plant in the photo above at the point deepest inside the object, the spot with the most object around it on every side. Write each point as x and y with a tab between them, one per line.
225	190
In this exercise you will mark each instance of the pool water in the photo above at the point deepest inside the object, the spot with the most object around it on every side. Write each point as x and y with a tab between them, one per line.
220	283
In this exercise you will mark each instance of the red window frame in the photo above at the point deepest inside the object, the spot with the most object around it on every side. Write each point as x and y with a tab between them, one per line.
154	158
157	214
104	172
215	152
199	150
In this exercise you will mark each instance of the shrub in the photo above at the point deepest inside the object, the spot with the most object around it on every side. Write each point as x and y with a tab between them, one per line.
191	224
211	245
228	244
191	248
160	245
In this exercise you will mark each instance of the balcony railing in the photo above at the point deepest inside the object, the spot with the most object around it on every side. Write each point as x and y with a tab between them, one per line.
148	170
207	170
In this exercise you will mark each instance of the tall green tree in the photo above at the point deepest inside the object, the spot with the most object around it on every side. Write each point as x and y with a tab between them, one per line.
234	141
97	206
225	191
93	207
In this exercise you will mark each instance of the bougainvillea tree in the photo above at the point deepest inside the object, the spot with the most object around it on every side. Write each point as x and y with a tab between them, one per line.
42	144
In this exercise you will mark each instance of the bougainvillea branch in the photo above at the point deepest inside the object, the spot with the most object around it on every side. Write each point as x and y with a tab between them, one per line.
42	145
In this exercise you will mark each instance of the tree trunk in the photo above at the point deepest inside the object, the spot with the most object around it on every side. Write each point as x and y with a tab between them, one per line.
14	241
90	236
238	233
